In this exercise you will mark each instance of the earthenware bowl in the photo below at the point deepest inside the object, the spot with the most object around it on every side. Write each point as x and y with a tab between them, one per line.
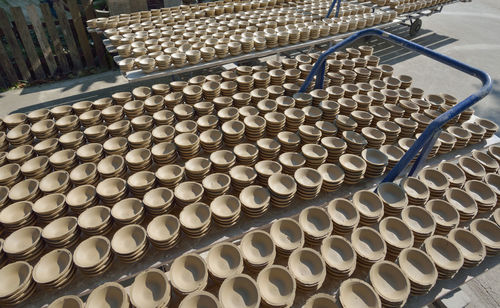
240	290
150	289
276	277
188	273
445	254
224	260
353	290
107	294
390	283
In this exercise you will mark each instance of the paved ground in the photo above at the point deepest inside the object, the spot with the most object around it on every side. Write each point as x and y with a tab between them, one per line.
464	31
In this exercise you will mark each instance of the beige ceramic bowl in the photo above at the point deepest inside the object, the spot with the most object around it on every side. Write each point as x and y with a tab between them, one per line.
308	268
277	286
200	299
239	291
60	229
368	245
224	260
470	245
445	254
53	266
339	255
353	291
287	235
393	196
344	215
150	289
189	273
369	206
258	249
68	301
17	215
109	294
390	283
15	278
319	300
488	232
418	267
316	223
396	233
24	190
92	252
22	240
94	218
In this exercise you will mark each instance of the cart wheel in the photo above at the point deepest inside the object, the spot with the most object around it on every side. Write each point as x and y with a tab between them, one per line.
415	26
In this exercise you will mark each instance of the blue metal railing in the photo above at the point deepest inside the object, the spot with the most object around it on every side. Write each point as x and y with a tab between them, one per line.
331	8
429	136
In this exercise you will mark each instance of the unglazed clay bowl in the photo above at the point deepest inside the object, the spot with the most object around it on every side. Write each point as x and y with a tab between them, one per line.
189	273
282	184
109	294
277	286
52	266
368	243
92	252
68	301
127	209
315	222
150	289
287	234
224	260
488	232
94	217
353	291
368	204
396	233
343	213
392	194
444	213
444	253
321	300
389	282
16	213
128	239
49	204
418	267
14	277
338	253
469	244
258	248
60	228
307	267
22	240
239	291
200	299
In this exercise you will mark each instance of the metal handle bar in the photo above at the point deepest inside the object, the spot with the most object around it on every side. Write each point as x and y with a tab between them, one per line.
331	8
431	133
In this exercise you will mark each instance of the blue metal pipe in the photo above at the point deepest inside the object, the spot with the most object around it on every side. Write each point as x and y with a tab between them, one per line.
330	9
431	133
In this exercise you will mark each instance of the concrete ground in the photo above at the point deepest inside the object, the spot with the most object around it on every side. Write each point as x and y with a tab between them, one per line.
465	31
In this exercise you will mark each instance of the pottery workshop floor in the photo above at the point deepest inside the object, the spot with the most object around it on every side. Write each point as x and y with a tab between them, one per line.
465	31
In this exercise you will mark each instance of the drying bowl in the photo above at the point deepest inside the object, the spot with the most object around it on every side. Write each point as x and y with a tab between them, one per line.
463	202
470	245
68	301
130	243
258	249
200	299
390	283
321	300
353	291
393	197
163	231
24	244
150	289
445	215
109	294
316	224
344	215
277	286
239	291
224	260
489	233
419	268
369	246
369	206
445	255
16	283
189	273
455	174
93	255
55	269
420	221
308	268
396	234
339	256
287	235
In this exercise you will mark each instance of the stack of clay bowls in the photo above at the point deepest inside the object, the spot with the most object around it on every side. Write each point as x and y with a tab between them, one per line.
418	193
255	200
111	190
369	207
453	173
393	197
390	283
116	146
420	270
316	224
355	142
333	177
211	140
393	153
376	161
339	256
445	255
163	231
17	216
309	182
128	211
188	145
225	210
96	220
397	236
462	202
354	168
482	193
335	147
25	244
488	233
224	260
197	168
139	159
287	235
16	283
240	290
471	247
150	289
268	148
108	294
62	232
283	188
291	161
344	215
420	221
473	169
158	201
93	256
222	160
36	168
55	269
446	216
435	180
63	160
266	168
312	279
81	198
314	154
369	246
246	154
276	277
90	153
188	274
130	243
112	166
164	153
354	290
258	250
488	162
195	219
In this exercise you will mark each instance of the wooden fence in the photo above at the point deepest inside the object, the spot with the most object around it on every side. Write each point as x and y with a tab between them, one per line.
40	46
